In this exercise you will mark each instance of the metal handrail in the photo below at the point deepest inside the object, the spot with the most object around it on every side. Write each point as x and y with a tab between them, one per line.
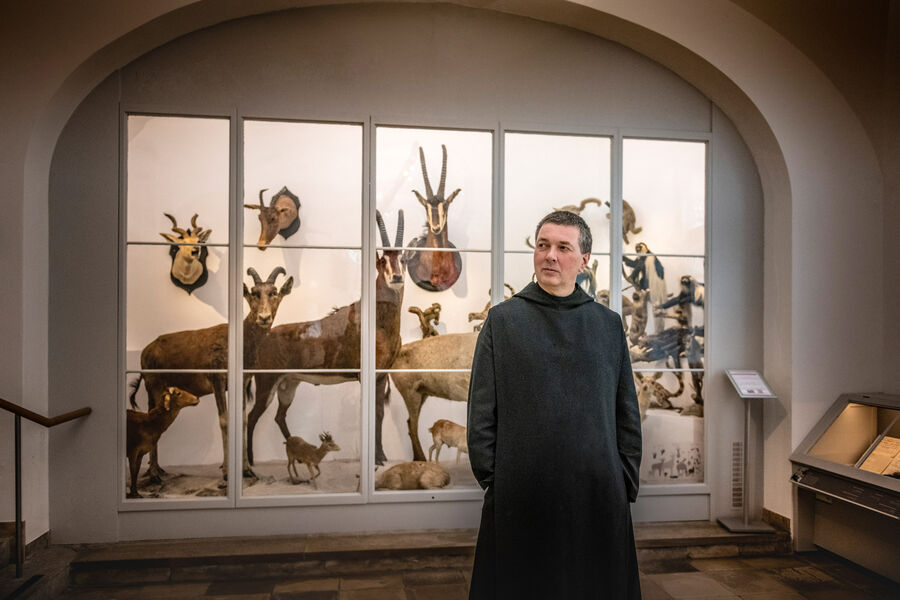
34	417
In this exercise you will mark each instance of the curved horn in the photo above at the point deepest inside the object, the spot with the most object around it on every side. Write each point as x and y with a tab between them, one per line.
428	191
440	192
252	273
384	238
194	228
261	202
175	226
399	242
275	272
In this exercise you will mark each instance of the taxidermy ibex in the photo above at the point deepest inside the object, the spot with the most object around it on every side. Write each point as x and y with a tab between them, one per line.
332	343
188	254
431	270
282	216
208	349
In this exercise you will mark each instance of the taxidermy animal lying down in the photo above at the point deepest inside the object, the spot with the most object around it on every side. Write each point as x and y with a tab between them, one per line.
144	428
299	450
416	475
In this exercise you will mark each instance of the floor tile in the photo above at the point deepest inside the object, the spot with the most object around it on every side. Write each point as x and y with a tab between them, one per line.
310	595
690	585
718	564
651	567
246	586
308	585
376	594
749	581
432	577
773	596
371	582
650	590
456	591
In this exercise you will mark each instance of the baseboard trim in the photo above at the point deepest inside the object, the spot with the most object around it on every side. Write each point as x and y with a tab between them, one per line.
775	520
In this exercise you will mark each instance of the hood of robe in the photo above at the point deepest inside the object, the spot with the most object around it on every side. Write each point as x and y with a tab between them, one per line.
535	293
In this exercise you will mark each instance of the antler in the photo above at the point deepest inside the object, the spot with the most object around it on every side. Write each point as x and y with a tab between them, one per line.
275	273
256	278
194	228
384	236
175	226
399	242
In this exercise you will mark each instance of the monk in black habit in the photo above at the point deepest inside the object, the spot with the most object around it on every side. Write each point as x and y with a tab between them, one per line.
554	435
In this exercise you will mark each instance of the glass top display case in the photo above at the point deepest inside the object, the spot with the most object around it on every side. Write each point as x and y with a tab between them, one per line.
853	453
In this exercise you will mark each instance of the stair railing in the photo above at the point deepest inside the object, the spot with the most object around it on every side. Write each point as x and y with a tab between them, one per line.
20	412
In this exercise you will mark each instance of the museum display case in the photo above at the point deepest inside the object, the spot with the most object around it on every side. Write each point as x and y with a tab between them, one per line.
846	476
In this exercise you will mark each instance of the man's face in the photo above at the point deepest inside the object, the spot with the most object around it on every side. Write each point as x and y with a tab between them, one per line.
558	258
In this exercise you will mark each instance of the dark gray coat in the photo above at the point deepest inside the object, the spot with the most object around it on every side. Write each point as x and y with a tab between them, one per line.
554	434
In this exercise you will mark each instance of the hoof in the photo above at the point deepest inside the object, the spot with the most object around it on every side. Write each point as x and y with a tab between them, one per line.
133	495
249	474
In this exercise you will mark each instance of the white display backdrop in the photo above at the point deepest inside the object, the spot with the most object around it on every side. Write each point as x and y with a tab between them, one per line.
547	172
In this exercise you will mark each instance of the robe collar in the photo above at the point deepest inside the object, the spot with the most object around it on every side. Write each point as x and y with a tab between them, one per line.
535	293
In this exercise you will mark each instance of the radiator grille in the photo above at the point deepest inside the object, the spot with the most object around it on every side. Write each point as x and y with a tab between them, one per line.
737	475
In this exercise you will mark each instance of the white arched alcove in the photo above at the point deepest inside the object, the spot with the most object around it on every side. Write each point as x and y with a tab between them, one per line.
818	173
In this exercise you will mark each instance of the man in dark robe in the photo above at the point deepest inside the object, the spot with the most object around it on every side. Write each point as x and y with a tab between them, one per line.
554	435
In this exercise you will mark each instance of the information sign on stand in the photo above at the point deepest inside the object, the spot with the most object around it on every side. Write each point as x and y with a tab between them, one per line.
749	385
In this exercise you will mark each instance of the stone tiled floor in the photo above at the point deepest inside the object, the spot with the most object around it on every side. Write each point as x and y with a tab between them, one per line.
811	576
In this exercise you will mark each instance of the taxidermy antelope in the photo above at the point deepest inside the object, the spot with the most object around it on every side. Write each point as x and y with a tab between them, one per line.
300	451
208	349
282	216
188	254
649	388
413	476
144	428
433	270
333	342
447	351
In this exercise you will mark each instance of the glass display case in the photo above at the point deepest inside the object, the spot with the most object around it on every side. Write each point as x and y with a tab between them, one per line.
847	482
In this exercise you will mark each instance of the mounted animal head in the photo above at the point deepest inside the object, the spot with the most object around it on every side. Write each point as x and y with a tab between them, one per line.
281	216
435	204
264	297
390	264
327	443
188	254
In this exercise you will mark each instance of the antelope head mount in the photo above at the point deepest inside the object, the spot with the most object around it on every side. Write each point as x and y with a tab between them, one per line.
435	204
282	216
188	251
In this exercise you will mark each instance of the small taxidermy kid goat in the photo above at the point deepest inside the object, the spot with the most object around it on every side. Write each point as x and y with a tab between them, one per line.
299	450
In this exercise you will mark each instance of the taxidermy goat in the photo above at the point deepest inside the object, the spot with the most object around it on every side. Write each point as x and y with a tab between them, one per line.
629	221
282	216
207	349
434	271
450	434
416	475
189	253
143	429
428	318
481	316
300	451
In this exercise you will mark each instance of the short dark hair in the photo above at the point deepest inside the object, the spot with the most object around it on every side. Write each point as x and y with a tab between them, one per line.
570	219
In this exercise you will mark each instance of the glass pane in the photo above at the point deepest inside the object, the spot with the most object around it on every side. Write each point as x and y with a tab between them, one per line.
452	307
549	172
849	436
445	396
191	445
314	165
317	325
664	184
178	166
518	270
464	222
186	319
664	314
322	425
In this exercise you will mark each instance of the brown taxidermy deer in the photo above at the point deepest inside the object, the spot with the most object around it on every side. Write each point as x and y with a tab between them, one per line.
447	351
143	429
434	271
450	434
415	475
333	342
189	254
208	349
649	389
282	216
300	451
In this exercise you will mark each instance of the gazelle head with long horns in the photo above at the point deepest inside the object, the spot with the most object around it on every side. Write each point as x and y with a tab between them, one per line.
435	204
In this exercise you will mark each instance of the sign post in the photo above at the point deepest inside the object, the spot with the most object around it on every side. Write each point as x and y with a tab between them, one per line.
749	386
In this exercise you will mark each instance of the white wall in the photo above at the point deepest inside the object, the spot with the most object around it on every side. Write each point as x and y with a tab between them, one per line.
576	81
